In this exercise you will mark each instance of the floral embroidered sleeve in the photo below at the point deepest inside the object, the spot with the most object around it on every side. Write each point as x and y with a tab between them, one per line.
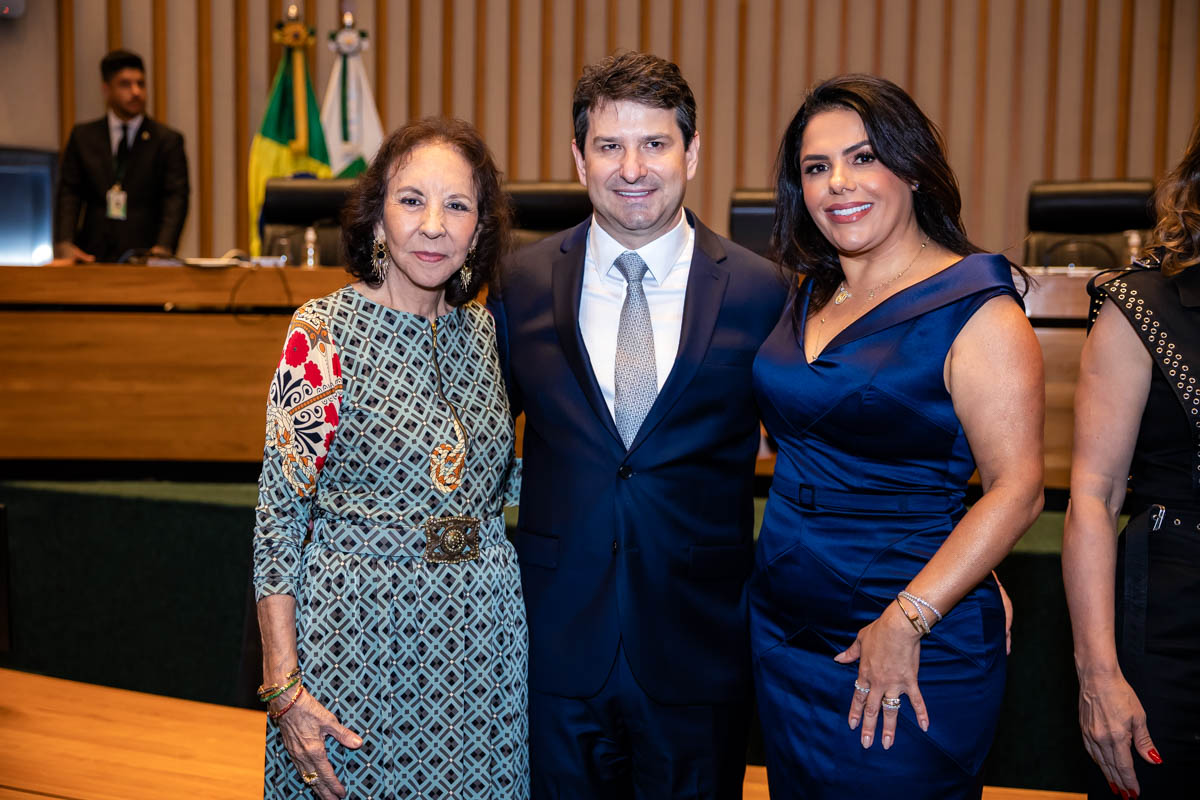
302	416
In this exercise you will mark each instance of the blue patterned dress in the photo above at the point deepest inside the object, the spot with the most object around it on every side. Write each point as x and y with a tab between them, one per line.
379	421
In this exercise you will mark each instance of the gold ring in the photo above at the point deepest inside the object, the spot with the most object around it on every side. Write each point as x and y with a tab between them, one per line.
308	777
858	687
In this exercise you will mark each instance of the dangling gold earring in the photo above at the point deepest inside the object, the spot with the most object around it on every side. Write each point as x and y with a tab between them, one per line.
465	272
379	260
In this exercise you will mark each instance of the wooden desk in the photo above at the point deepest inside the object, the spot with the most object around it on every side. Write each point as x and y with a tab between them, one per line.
143	363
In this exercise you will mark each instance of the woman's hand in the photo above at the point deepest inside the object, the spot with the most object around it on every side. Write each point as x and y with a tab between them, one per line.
889	654
304	728
1112	719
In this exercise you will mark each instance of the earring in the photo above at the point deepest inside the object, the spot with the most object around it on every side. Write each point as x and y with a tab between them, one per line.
379	260
916	185
465	272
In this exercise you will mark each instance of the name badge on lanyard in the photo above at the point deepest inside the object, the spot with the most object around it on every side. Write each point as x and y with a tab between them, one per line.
117	202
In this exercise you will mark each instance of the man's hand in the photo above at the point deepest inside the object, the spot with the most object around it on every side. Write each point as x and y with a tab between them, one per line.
68	253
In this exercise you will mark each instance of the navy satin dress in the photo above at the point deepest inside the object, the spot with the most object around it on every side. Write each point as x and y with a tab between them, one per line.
872	468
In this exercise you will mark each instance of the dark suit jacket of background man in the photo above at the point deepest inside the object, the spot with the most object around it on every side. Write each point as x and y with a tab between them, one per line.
156	180
650	548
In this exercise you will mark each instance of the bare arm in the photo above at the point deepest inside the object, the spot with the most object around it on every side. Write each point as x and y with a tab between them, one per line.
994	374
1114	383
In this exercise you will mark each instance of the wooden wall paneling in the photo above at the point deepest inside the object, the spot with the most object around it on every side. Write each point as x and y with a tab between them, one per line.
222	131
892	26
877	38
158	81
274	9
512	157
998	117
644	23
381	47
792	66
66	70
112	20
89	49
827	21
741	84
706	100
843	37
910	55
1087	110
947	66
482	63
959	124
595	31
495	84
137	34
529	103
722	96
324	16
241	126
658	28
927	87
1108	48
397	61
981	136
758	92
414	54
810	43
1182	106
1012	129
629	23
773	70
611	25
1144	73
579	35
181	80
202	210
1196	80
433	80
462	50
859	23
676	30
1070	122
1166	12
1124	89
1052	78
558	130
258	84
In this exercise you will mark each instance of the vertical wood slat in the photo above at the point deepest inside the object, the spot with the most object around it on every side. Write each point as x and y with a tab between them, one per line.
1162	100
66	71
414	58
579	35
1087	113
610	26
739	138
1052	90
980	134
843	45
644	25
274	50
448	58
547	127
241	124
1196	78
159	22
112	19
773	111
676	28
1124	87
513	166
710	47
204	169
810	43
947	65
877	40
1015	189
381	65
910	64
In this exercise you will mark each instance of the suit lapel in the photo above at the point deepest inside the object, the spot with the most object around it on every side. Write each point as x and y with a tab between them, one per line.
100	146
566	287
706	285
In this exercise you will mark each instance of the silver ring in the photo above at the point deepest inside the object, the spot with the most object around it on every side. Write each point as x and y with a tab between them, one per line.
890	703
858	687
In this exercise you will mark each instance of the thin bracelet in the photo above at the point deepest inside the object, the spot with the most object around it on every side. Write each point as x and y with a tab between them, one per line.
920	611
280	691
912	598
265	689
915	619
275	715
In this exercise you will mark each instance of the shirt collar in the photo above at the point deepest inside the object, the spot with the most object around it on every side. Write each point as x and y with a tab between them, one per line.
115	123
660	255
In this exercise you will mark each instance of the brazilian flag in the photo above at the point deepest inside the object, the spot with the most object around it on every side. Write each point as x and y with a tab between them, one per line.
290	142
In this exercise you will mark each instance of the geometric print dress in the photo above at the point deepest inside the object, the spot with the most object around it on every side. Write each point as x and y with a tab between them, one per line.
388	461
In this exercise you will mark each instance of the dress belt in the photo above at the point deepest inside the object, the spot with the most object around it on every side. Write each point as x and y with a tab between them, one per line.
820	497
359	536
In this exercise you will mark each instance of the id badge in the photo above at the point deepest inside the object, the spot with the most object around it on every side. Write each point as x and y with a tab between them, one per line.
117	201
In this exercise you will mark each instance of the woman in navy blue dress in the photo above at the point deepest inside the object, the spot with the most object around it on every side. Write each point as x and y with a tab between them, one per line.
904	363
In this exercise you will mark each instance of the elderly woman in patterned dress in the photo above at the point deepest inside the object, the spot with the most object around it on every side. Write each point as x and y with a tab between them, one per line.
388	597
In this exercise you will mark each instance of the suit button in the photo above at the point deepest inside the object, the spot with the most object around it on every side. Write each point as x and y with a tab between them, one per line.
625	472
614	547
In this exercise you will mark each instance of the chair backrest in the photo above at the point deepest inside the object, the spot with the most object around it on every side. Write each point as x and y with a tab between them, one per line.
541	208
1087	223
751	217
292	204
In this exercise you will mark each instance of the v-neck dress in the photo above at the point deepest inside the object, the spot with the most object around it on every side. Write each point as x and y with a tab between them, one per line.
425	659
872	469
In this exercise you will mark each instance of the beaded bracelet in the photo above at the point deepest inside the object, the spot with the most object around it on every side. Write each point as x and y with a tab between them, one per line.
275	715
920	605
278	692
915	619
275	687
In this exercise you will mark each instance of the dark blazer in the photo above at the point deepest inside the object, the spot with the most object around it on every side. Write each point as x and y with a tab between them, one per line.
650	548
156	181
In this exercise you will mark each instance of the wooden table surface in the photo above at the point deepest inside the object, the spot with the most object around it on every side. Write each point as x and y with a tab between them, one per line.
76	741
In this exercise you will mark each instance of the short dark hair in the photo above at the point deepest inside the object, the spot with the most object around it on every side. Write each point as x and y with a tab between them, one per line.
364	206
117	60
903	139
640	77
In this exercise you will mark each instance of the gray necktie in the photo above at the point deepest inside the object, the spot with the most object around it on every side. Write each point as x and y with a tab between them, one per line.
636	373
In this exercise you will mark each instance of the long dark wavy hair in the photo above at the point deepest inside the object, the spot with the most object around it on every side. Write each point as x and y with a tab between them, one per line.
903	139
1177	201
364	206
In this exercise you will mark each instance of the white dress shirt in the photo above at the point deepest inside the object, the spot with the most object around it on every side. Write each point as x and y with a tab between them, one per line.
114	130
669	261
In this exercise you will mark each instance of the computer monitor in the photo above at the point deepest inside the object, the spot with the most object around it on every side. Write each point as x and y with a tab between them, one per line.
27	205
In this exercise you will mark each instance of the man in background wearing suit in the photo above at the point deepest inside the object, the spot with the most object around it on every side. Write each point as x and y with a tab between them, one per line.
627	342
123	180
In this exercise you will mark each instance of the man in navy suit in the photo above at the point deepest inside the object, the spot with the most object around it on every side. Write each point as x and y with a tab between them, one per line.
123	179
627	342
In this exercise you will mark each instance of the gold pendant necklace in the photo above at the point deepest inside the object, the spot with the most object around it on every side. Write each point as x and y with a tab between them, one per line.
843	294
881	286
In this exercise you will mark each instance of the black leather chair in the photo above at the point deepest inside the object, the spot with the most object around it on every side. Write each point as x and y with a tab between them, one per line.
292	204
541	208
1087	223
751	217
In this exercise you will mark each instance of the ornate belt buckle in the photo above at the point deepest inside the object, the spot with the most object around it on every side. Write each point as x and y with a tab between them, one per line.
451	540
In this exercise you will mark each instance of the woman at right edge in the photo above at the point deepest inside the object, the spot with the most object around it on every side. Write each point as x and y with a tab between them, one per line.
905	361
1135	600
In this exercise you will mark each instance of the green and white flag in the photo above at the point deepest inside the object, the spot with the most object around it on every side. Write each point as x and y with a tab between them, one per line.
353	131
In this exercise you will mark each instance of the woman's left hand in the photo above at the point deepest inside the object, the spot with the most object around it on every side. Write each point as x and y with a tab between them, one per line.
888	652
